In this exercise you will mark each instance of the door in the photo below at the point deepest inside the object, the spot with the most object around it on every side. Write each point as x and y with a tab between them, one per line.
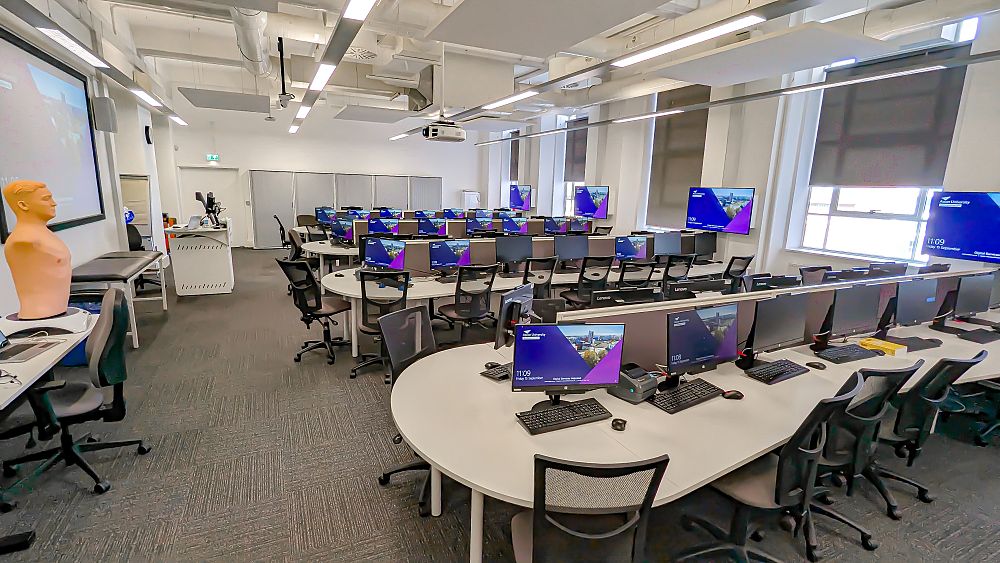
225	184
135	196
271	194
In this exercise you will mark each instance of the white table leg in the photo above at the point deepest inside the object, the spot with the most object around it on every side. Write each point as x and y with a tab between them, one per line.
435	491
322	272
162	274
129	296
355	311
476	528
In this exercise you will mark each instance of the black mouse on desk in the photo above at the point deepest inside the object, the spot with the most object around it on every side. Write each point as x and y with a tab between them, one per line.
734	395
619	424
491	365
816	365
338	275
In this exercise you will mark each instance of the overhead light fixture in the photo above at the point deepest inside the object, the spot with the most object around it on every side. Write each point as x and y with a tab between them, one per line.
544	133
144	96
400	136
845	62
73	47
293	129
323	74
648	116
693	39
511	99
303	112
177	119
825	85
359	9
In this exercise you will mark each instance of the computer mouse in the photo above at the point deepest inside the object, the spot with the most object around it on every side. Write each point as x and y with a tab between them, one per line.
338	275
491	365
619	424
879	352
816	365
734	395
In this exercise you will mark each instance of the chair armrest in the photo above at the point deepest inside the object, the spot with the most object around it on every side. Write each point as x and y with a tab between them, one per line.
49	386
989	385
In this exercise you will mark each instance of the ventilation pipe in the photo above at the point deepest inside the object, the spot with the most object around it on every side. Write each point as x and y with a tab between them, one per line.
250	38
888	24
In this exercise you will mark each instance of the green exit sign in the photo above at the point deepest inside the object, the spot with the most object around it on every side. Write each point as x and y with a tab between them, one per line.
212	157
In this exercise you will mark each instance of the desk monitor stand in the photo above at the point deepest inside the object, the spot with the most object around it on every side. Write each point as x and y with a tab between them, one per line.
912	343
979	322
554	400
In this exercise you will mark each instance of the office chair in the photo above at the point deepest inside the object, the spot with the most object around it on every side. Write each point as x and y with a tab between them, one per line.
381	293
135	244
295	252
734	272
547	309
747	280
908	429
635	274
472	297
308	298
852	439
676	267
582	505
979	401
813	275
933	268
602	231
316	233
306	220
79	402
282	233
408	336
782	483
538	272
593	277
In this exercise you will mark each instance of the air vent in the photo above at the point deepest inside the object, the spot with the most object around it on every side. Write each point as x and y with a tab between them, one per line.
360	54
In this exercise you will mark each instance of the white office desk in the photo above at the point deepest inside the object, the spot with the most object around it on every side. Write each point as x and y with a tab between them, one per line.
29	372
324	248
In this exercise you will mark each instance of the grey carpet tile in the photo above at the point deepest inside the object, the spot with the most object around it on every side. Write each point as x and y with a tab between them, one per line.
250	532
226	485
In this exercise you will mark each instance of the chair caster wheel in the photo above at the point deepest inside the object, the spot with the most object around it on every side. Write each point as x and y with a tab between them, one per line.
787	523
354	375
397	439
7	505
824	498
757	536
925	496
979	441
811	554
297	359
900	451
838	480
93	439
102	487
687	524
143	449
330	361
868	543
424	511
383	480
10	471
894	513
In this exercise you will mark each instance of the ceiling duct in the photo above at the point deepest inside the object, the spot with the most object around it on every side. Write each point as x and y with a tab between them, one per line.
563	65
421	97
250	25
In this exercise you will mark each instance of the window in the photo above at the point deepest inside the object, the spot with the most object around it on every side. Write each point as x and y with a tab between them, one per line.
575	162
678	156
881	151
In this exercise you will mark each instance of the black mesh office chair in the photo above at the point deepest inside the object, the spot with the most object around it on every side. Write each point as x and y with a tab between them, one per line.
602	231
813	275
734	272
381	293
782	483
597	509
980	403
408	337
316	233
676	267
472	297
747	282
296	253
314	307
538	272
306	220
547	309
79	402
593	277
282	233
635	274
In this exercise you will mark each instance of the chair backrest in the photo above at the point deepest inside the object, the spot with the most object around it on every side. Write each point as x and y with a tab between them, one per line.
282	234
134	238
306	293
920	405
602	231
593	275
105	346
547	309
316	233
569	487
799	457
306	220
738	265
408	337
676	267
382	293
538	272
747	280
813	275
635	273
472	290
295	251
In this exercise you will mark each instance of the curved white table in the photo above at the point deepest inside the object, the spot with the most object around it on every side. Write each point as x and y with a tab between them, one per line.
324	248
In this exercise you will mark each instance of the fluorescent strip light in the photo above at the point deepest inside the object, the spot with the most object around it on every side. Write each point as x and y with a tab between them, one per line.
323	74
400	136
844	15
359	9
845	62
544	133
824	85
648	116
509	100
303	112
74	47
293	129
176	119
144	96
690	40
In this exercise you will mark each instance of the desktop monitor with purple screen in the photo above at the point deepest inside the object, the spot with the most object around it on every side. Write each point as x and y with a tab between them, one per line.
432	226
450	253
359	214
383	225
561	359
520	197
592	201
424	214
515	225
555	225
385	253
700	339
479	224
577	225
343	229
630	248
390	213
454	213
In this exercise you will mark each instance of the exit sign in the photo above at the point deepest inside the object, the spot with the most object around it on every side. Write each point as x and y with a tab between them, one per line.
212	157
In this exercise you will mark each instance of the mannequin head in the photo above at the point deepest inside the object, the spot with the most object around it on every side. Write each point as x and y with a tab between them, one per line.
30	201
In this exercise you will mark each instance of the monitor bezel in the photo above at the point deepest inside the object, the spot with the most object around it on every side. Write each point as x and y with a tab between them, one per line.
560	388
694	368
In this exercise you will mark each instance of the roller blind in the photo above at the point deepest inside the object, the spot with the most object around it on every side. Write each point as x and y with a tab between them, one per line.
576	152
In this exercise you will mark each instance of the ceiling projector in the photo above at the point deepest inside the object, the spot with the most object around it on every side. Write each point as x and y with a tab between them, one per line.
445	131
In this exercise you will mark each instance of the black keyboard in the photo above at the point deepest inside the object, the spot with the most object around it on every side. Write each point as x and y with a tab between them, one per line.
563	415
685	395
505	371
13	350
847	353
776	371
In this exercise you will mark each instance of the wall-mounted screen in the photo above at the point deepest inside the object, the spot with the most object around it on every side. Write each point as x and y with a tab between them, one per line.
964	225
725	210
47	134
520	197
592	201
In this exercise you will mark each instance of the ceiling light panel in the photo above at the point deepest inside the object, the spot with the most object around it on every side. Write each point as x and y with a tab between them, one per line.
73	47
509	100
689	40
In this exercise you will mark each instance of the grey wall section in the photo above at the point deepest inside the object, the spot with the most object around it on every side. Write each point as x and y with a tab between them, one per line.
425	193
354	190
270	194
312	190
392	191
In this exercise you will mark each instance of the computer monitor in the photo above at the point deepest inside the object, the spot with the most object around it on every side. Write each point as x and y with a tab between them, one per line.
555	225
578	225
450	253
326	215
705	244
454	213
520	197
511	250
572	247
429	226
425	214
343	229
479	224
591	201
855	310
385	253
522	296
483	213
916	302
389	213
779	322
963	225
887	269
515	225
725	210
995	293
383	225
359	214
630	248
974	294
667	243
700	339
560	359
